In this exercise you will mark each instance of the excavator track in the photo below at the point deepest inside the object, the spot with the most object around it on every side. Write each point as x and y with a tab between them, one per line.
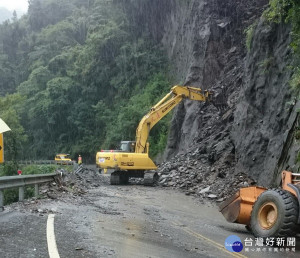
151	178
118	178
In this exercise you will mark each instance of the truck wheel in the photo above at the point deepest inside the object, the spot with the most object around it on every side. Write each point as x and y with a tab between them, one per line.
275	213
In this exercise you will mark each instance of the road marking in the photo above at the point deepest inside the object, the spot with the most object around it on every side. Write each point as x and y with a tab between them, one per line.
215	244
52	248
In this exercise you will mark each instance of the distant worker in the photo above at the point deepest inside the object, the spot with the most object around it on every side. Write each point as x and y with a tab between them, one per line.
79	160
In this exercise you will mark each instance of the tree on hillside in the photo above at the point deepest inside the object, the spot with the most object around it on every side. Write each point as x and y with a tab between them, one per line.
82	73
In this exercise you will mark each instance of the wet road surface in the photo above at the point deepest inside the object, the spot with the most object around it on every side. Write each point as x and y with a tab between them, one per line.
125	221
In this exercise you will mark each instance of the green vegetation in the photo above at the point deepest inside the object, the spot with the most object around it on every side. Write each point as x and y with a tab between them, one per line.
77	76
295	82
278	10
288	11
266	64
249	35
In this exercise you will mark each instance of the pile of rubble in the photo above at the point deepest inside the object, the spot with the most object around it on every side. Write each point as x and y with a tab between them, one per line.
70	187
215	182
73	183
192	175
86	176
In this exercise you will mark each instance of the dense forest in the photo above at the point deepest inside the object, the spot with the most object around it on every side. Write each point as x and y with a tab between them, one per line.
77	76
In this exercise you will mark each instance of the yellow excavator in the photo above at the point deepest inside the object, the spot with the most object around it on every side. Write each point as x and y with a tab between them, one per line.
267	212
132	159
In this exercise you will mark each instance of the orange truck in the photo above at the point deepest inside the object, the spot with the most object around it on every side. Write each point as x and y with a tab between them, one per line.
267	212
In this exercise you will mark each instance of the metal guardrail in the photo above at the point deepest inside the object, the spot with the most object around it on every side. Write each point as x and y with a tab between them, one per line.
41	162
7	182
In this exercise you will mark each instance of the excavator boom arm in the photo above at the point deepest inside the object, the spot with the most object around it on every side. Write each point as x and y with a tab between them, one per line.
162	108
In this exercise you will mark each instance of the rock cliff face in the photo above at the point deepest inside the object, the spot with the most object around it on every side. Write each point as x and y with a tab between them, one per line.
205	42
265	116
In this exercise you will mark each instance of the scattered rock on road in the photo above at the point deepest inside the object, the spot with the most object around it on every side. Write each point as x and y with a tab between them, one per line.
197	177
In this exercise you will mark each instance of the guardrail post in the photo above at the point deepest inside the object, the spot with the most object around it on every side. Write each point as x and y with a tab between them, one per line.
21	193
36	190
1	200
8	182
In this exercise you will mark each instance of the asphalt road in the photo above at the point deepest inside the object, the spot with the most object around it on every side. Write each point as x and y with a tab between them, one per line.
124	221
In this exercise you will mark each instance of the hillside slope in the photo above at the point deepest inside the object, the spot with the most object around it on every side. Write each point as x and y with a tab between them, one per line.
77	76
206	43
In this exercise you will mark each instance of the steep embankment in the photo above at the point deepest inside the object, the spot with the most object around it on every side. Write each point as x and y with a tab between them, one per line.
206	45
206	41
266	113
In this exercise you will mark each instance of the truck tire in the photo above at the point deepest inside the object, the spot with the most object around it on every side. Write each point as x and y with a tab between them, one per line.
275	214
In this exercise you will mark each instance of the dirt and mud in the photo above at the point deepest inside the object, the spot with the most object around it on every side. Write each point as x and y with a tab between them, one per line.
192	174
96	219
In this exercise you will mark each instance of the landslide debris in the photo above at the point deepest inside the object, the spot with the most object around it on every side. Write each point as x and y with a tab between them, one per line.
74	183
70	187
207	169
191	174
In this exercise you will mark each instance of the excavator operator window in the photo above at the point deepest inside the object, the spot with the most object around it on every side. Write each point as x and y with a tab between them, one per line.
127	146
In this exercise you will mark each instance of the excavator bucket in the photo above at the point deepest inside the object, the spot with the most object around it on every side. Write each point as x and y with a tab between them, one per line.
219	100
237	209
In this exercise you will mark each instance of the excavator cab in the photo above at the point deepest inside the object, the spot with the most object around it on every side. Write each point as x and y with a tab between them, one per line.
127	146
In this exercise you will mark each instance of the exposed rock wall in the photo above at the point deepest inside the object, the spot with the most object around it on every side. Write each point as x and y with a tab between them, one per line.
265	113
205	41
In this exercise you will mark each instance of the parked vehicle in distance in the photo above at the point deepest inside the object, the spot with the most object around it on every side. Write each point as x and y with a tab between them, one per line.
62	159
